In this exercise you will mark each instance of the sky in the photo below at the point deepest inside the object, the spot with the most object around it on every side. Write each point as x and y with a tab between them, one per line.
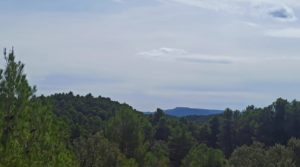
213	54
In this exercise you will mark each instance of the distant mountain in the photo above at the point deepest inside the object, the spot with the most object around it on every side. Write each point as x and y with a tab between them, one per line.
185	111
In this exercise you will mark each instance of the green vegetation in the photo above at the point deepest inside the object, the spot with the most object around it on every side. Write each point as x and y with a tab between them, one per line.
202	156
30	134
72	130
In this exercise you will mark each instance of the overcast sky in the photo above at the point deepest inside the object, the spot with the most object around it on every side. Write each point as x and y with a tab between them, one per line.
159	53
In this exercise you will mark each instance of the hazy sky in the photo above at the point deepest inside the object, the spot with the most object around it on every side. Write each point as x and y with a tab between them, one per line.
159	53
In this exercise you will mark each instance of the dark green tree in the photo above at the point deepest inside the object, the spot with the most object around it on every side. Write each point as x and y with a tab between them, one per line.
280	107
214	125
162	130
225	137
157	116
126	130
181	141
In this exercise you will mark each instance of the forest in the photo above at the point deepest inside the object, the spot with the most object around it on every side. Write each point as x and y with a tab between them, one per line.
68	130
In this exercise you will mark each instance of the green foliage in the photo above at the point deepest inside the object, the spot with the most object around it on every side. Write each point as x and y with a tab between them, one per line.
280	109
157	156
153	160
85	114
160	125
128	163
214	126
30	134
249	156
162	130
126	130
257	155
202	156
181	141
294	145
280	156
136	136
98	151
226	133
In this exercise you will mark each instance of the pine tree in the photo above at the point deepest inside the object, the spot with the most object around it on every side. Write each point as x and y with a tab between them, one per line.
226	134
126	130
30	134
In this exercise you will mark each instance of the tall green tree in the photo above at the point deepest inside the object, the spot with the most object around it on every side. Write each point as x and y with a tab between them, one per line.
280	107
214	125
126	130
30	134
225	137
181	141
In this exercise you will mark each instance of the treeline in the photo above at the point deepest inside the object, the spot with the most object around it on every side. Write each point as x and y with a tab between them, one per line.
72	130
233	138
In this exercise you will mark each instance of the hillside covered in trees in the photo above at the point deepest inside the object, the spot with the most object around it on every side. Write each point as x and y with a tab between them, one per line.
73	130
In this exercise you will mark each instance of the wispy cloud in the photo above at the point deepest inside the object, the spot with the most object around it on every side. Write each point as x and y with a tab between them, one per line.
207	59
250	24
164	52
182	55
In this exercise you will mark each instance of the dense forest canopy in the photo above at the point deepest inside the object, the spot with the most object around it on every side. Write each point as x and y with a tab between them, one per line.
73	130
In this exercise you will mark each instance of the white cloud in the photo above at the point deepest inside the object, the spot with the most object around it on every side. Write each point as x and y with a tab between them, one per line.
276	9
284	33
182	55
250	24
164	52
